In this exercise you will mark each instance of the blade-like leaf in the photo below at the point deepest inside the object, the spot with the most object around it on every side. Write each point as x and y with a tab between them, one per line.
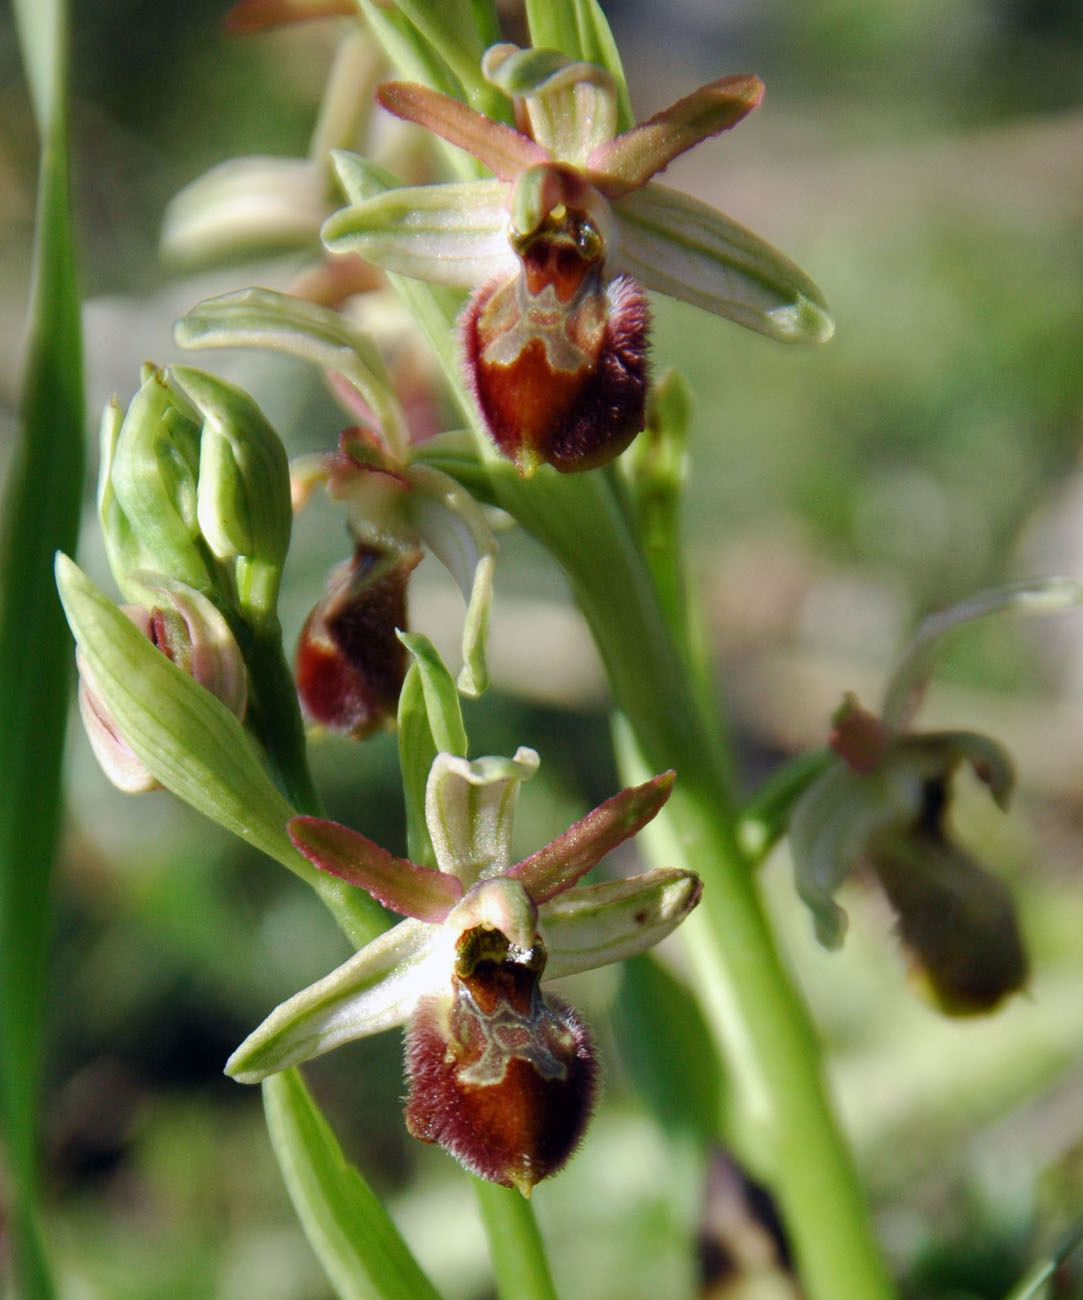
582	846
41	506
352	1234
597	924
398	883
633	158
376	989
450	234
680	246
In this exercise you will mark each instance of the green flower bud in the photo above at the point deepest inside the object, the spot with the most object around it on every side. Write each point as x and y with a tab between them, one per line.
187	629
195	486
243	493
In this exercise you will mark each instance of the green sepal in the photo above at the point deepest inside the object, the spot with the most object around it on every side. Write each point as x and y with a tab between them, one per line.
450	234
191	743
149	487
187	739
764	819
346	1223
262	318
572	103
246	207
375	989
593	925
680	246
243	496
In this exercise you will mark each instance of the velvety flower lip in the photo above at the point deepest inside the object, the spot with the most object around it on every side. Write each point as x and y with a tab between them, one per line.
463	233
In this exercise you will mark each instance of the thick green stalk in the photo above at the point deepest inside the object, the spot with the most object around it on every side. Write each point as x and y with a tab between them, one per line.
762	1025
520	1264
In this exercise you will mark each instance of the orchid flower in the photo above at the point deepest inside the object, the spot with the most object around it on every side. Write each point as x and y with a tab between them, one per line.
884	802
559	244
501	1074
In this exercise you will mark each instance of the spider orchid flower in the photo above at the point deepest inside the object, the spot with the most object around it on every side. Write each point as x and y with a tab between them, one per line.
884	803
501	1074
560	243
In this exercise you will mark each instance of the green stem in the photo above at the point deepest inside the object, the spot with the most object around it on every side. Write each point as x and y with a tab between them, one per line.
520	1264
278	718
762	1025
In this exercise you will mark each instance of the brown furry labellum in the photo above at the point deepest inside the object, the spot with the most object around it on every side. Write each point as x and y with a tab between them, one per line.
558	360
501	1076
350	664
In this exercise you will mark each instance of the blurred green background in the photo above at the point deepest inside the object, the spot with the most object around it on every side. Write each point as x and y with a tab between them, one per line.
924	163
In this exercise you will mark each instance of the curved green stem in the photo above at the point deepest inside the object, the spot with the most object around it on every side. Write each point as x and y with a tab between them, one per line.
520	1264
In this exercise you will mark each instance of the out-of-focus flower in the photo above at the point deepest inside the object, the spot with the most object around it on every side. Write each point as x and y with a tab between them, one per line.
187	629
501	1074
560	243
884	803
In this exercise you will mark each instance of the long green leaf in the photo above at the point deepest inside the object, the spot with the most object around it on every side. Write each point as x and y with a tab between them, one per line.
41	510
358	1245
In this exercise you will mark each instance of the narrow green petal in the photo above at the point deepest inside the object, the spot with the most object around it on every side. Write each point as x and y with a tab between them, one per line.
376	989
450	234
680	246
630	160
597	924
469	807
262	318
559	864
452	526
398	883
344	1220
506	152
